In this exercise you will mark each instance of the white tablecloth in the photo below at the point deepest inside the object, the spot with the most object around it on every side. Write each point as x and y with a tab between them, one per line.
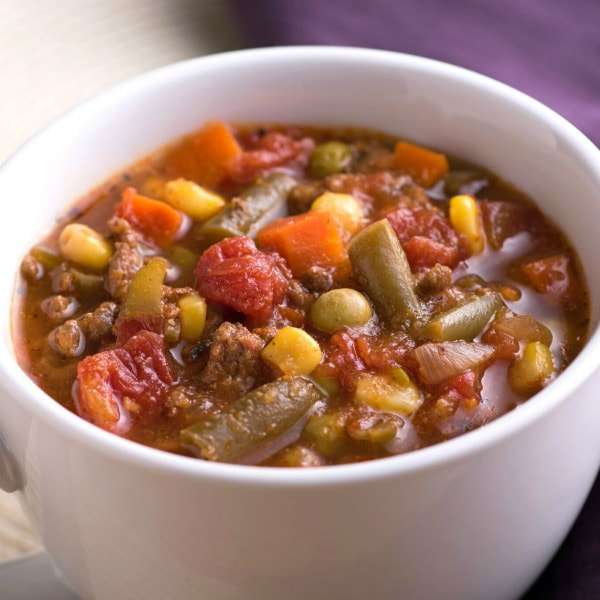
56	53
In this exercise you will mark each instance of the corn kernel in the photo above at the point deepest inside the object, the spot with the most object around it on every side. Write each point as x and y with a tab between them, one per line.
391	394
192	199
84	246
293	351
343	208
153	187
192	317
526	375
466	219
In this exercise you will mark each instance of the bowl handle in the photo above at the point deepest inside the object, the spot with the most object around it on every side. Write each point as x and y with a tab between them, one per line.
10	481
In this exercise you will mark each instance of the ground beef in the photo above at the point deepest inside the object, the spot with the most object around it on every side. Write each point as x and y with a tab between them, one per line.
31	268
434	280
126	260
62	279
59	307
99	323
318	279
67	339
302	196
297	296
70	338
370	156
234	364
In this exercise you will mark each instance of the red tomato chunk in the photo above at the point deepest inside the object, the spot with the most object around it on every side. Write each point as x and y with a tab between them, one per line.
427	238
273	150
234	273
551	276
129	382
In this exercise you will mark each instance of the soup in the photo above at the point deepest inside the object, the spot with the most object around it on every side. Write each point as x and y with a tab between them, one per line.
295	296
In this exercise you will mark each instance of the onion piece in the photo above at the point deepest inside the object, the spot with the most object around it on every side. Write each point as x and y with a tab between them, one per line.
524	328
440	361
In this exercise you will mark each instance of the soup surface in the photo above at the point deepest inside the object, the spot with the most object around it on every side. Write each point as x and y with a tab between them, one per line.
295	296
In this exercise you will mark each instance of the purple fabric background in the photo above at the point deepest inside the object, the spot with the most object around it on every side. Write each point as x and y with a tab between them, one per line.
549	49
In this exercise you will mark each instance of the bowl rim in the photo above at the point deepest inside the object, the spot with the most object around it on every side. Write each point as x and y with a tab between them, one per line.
42	406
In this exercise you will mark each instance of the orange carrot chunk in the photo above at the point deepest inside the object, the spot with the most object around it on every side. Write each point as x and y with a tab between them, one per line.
306	240
424	166
152	218
205	157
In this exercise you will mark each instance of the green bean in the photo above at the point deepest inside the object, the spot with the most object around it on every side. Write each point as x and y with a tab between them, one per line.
381	268
329	158
343	307
255	419
144	295
465	321
258	204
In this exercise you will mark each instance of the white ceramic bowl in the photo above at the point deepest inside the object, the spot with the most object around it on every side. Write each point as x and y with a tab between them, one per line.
476	517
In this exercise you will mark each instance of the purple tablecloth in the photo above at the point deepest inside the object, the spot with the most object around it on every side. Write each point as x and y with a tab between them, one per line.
550	49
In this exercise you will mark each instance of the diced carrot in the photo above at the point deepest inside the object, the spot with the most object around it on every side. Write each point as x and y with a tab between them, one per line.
152	218
205	157
306	240
551	276
424	166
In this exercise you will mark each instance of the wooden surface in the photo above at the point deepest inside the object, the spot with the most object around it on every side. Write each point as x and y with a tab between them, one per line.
56	53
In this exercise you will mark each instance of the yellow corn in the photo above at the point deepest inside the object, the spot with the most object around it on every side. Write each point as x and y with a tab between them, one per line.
192	199
192	317
84	246
153	187
526	375
293	351
396	394
343	208
466	219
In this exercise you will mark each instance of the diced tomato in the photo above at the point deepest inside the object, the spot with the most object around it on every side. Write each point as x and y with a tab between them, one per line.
234	273
423	253
503	220
427	237
154	219
127	327
341	360
466	385
109	381
506	345
551	276
273	150
380	352
307	240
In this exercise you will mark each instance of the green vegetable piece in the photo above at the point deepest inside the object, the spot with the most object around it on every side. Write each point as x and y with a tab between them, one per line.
48	259
527	374
326	433
381	268
144	294
257	205
329	158
184	258
343	307
465	321
375	428
86	283
464	182
329	385
258	417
